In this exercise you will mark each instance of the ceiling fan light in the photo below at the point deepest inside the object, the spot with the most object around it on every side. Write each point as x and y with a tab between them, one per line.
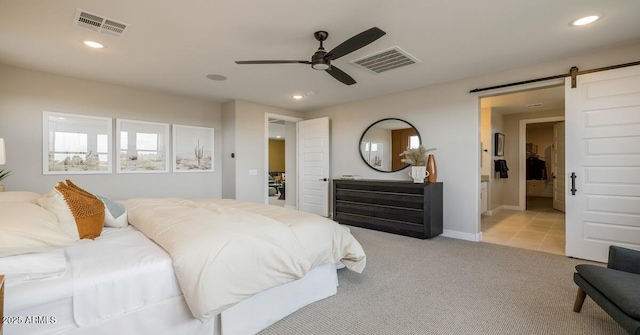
320	66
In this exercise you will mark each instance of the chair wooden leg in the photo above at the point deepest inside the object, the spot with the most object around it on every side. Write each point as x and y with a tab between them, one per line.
577	306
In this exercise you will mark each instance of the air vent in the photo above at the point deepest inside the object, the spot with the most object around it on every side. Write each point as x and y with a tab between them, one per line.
385	60
99	24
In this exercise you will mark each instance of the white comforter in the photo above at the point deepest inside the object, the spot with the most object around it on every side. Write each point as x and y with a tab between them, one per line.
224	250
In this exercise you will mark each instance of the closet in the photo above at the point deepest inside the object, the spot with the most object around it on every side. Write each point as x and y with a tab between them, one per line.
539	177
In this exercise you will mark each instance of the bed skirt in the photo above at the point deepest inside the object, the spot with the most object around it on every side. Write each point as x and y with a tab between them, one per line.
172	316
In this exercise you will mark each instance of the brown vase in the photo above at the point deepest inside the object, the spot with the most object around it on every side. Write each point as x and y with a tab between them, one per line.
432	169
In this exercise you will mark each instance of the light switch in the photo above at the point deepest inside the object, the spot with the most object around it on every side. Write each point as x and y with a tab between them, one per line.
253	172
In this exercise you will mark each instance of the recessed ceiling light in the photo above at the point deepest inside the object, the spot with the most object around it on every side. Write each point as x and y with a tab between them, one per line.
297	97
217	77
93	44
585	20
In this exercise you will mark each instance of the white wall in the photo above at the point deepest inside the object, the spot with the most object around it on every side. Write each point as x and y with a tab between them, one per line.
25	94
448	118
228	149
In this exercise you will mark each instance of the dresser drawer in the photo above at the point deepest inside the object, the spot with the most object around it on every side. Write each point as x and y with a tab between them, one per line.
391	206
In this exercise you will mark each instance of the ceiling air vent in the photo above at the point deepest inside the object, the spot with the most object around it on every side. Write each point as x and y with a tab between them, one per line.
99	23
385	60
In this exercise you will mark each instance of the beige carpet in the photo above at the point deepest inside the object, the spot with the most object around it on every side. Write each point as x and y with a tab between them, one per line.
449	286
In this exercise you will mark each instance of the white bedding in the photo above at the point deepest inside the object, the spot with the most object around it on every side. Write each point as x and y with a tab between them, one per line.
224	251
108	272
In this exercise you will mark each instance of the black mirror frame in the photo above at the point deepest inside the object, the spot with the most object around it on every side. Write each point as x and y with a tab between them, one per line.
373	124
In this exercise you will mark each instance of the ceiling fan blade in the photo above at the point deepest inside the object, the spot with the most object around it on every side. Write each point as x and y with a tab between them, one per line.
273	62
340	75
354	43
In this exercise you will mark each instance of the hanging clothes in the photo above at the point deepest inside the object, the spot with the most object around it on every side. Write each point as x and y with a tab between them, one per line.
501	168
536	169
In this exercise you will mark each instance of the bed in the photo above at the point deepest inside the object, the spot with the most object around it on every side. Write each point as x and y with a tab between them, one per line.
141	278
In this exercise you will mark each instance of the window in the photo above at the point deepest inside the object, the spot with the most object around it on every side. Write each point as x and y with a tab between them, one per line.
414	141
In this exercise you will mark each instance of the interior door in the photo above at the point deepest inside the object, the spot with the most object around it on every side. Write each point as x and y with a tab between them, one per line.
603	151
313	166
558	166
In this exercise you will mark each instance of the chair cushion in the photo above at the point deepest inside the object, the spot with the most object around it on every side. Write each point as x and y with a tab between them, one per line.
622	288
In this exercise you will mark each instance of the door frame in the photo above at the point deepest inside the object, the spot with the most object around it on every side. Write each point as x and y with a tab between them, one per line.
285	118
522	156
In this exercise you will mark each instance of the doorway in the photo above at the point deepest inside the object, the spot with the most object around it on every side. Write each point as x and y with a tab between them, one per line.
280	160
520	209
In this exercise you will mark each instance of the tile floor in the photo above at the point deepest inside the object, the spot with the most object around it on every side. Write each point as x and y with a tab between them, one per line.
540	227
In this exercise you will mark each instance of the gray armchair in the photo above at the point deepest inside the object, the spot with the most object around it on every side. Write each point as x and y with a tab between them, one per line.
616	288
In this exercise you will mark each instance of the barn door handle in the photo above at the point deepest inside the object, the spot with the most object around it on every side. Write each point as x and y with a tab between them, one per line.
573	183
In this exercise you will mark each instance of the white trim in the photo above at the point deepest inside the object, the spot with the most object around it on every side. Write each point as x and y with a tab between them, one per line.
462	235
522	139
266	148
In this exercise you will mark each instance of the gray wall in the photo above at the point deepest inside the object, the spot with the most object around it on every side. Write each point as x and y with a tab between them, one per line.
448	118
290	164
250	140
25	94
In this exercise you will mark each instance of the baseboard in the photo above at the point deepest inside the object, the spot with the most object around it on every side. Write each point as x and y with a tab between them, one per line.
514	208
291	207
462	235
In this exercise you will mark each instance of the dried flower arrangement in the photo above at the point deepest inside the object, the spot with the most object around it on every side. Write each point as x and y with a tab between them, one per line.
416	156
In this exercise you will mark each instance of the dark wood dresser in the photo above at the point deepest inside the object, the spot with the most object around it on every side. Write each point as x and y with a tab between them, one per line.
398	207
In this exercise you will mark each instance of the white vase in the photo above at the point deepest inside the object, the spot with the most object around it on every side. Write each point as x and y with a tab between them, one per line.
418	173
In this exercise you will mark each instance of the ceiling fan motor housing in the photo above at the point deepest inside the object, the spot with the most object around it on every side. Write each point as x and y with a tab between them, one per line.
318	62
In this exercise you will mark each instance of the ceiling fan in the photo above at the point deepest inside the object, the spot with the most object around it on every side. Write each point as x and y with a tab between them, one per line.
321	60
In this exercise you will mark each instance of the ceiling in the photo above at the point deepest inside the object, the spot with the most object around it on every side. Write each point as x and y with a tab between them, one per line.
172	46
549	98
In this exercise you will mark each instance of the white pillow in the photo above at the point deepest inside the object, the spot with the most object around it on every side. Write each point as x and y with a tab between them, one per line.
33	266
28	228
19	196
115	214
54	202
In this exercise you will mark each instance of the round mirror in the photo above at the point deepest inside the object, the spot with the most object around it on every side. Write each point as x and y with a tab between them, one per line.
382	143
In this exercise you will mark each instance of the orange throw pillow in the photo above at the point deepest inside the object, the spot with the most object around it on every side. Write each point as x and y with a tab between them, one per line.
86	208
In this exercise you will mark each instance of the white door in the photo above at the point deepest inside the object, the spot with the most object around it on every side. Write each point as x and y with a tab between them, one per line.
313	166
603	150
558	166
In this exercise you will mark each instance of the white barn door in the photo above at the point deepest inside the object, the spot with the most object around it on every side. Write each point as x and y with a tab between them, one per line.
313	166
603	151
